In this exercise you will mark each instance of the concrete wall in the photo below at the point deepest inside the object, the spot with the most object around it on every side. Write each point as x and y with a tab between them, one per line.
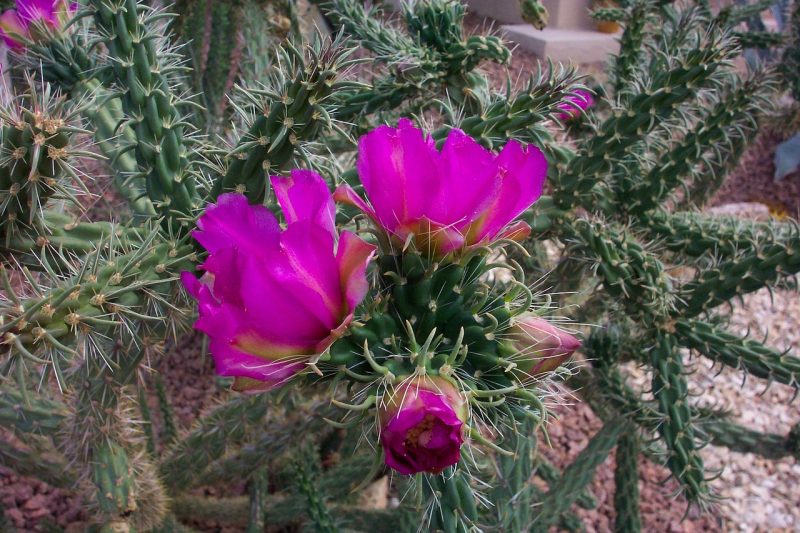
564	14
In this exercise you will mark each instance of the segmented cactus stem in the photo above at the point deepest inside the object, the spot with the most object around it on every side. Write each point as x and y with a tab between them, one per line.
578	474
150	106
626	480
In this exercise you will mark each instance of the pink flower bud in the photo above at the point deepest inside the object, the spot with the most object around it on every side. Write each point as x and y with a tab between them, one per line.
580	101
541	346
422	426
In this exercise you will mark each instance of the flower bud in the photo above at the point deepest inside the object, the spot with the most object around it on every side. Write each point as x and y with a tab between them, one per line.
541	346
422	426
579	101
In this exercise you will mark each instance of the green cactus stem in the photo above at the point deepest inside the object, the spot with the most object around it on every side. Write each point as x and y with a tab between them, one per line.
740	275
578	474
642	112
513	481
744	354
210	437
293	109
36	158
697	234
259	484
626	480
316	508
676	428
151	108
550	474
744	440
113	476
31	414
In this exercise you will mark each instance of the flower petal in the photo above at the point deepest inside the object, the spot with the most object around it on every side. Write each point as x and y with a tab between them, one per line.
352	257
305	196
432	238
308	250
282	309
523	172
399	170
224	267
191	283
470	181
45	10
269	318
345	194
233	222
229	361
13	28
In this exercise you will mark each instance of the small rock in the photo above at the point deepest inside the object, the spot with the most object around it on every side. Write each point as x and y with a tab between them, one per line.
36	502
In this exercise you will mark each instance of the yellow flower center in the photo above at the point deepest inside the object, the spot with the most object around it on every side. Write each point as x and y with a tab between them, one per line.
421	433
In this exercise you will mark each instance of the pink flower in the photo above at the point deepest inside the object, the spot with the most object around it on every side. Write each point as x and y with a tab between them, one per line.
460	196
422	426
18	25
541	346
271	299
580	101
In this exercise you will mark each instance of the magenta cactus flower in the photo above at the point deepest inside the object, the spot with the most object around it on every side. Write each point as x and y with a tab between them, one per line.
579	101
271	299
422	426
461	196
19	24
541	347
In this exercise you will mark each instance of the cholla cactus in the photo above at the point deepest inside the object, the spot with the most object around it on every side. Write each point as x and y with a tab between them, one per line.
379	288
38	152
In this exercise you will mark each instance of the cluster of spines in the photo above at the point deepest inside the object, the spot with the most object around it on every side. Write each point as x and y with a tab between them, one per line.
735	110
519	114
670	389
513	483
629	270
699	235
434	54
282	118
744	354
69	64
122	288
741	274
635	16
37	148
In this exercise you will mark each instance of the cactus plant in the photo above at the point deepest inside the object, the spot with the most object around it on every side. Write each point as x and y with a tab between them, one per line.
373	300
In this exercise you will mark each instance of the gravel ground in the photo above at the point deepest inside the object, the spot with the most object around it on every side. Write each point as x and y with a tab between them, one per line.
30	504
752	181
